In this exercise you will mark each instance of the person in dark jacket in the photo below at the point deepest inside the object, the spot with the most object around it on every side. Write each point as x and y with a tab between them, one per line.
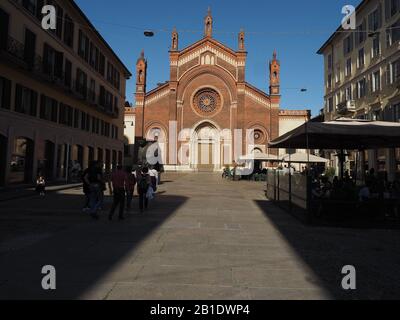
143	183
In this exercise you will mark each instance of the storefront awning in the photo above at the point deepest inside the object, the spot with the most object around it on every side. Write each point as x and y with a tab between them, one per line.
342	133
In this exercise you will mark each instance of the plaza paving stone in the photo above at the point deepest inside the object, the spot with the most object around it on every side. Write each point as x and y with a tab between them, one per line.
202	238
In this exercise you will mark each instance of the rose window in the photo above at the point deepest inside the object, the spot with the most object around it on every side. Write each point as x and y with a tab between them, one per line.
206	101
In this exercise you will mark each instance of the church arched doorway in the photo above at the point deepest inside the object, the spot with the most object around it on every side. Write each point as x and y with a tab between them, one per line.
205	147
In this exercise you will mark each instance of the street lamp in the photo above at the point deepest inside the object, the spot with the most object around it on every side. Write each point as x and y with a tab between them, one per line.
148	33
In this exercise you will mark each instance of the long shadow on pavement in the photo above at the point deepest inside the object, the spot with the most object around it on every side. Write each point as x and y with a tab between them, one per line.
86	253
374	253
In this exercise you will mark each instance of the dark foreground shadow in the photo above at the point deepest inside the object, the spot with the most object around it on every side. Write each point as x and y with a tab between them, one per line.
375	254
83	251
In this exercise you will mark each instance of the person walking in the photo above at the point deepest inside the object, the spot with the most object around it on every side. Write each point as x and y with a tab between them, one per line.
153	178
93	178
86	189
131	182
119	181
40	185
143	181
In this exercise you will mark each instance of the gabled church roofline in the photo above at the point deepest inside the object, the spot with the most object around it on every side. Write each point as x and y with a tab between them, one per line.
259	91
212	40
163	86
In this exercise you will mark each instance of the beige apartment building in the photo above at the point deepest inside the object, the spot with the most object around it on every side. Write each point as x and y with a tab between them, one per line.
62	93
362	75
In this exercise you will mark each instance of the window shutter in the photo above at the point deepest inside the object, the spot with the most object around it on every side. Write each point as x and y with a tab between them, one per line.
18	97
80	39
46	49
58	68
43	106
86	49
102	96
54	113
34	97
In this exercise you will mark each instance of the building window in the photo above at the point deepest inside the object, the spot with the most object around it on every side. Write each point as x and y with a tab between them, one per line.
361	58
94	125
83	120
330	62
25	100
348	94
29	47
31	6
348	44
361	88
376	47
393	72
66	115
81	82
361	34
393	34
76	118
109	101
113	75
97	126
4	24
330	104
375	19
68	73
52	62
329	82
68	31
348	67
338	99
59	22
102	127
5	93
337	75
94	56
107	129
92	90
391	8
48	108
376	81
83	46
88	121
102	64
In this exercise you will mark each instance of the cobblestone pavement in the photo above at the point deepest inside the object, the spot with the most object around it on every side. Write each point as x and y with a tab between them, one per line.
202	238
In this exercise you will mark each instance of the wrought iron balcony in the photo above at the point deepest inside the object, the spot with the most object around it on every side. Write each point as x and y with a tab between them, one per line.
346	107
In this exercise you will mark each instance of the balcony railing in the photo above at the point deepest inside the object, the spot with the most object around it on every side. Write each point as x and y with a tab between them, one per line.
346	107
36	65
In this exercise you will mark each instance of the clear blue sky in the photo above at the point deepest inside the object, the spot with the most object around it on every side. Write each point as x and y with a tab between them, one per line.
296	29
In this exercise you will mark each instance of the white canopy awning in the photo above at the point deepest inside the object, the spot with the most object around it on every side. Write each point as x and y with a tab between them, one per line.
260	156
301	157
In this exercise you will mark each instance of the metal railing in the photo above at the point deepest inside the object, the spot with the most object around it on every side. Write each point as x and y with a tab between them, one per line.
35	64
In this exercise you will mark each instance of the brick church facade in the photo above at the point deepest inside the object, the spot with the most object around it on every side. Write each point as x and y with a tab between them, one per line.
207	107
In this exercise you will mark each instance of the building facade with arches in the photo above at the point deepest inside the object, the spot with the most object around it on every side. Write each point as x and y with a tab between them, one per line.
206	115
